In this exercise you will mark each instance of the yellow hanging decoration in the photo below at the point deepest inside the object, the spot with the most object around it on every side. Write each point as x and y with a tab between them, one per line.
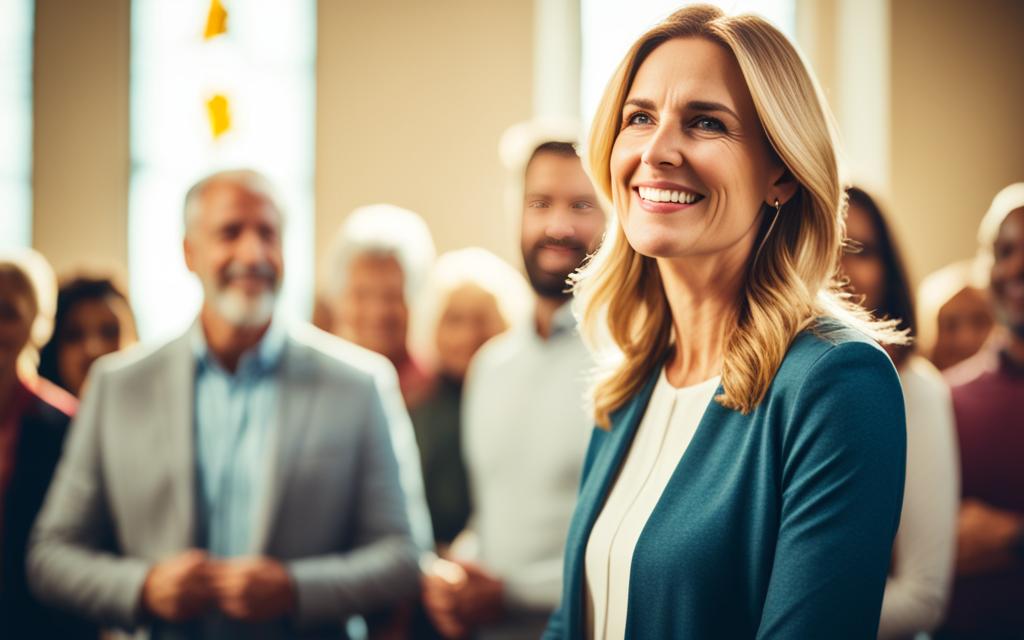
219	113
216	20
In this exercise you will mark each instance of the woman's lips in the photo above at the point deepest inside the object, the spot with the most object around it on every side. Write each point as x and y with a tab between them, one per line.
663	207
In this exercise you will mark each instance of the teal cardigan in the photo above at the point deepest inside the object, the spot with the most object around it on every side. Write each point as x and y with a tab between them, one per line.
775	524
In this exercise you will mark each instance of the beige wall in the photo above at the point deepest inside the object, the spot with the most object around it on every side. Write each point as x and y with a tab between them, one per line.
957	128
955	85
80	148
411	101
412	98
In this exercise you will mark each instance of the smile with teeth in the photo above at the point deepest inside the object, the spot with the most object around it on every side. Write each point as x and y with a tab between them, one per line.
666	195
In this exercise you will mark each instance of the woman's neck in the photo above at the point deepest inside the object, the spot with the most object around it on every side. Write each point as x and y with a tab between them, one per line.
704	299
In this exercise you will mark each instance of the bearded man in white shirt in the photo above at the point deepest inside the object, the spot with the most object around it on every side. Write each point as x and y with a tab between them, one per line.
525	428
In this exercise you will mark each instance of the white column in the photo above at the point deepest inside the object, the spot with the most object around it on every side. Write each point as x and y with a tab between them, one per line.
556	58
865	105
848	43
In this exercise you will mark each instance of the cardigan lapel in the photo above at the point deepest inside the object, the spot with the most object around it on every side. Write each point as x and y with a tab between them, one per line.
594	492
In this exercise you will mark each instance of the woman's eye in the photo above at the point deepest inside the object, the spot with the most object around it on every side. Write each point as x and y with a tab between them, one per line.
1003	250
639	118
706	123
582	204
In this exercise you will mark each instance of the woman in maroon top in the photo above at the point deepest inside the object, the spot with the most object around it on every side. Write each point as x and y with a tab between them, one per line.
34	417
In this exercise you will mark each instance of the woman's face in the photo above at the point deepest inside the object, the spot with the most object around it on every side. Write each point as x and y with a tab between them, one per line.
16	317
964	324
469	319
864	268
371	311
91	329
691	166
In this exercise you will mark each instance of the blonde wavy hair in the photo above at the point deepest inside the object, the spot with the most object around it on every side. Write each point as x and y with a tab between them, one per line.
791	280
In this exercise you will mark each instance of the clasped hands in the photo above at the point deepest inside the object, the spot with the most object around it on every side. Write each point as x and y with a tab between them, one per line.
250	589
460	596
985	538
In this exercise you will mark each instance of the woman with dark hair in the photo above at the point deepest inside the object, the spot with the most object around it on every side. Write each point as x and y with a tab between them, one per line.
34	418
919	580
93	319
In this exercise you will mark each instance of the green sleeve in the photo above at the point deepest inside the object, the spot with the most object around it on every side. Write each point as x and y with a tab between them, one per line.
843	458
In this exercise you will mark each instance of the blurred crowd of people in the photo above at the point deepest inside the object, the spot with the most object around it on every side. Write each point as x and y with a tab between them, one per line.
257	476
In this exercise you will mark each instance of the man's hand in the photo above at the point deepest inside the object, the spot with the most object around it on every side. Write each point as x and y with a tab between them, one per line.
439	583
254	589
482	599
985	537
178	589
460	596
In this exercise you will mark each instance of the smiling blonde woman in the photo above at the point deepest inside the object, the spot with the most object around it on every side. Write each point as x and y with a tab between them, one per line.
747	473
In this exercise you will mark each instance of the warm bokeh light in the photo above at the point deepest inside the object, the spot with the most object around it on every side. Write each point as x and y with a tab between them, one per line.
16	122
263	68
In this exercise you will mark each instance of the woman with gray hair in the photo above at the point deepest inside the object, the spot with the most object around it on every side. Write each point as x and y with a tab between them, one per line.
375	269
472	295
34	417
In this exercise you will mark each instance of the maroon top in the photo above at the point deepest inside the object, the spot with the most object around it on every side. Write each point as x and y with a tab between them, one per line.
415	381
25	396
988	400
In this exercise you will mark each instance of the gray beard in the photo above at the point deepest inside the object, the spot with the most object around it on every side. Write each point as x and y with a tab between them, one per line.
244	312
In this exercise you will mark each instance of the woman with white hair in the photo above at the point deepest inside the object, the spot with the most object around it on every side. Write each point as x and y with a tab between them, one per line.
34	417
746	476
472	296
375	269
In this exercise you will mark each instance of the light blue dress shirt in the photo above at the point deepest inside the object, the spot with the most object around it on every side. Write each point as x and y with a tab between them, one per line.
235	416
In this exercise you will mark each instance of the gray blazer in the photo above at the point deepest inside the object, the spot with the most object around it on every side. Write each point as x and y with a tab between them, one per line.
123	496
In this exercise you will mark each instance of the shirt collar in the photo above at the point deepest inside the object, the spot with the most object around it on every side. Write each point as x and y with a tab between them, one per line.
564	319
262	358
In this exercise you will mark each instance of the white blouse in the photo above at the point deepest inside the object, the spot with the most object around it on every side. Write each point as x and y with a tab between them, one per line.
924	551
665	432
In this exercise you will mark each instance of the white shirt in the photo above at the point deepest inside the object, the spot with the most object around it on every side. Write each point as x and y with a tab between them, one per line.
525	434
665	432
923	553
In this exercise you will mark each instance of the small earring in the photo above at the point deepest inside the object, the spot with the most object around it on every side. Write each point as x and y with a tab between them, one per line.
771	226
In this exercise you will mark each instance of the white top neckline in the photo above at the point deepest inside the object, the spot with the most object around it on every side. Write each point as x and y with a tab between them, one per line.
697	387
666	430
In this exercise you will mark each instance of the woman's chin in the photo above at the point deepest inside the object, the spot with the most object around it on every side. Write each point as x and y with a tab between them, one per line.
654	245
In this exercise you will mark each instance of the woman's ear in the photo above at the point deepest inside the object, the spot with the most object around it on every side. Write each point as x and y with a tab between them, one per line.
783	188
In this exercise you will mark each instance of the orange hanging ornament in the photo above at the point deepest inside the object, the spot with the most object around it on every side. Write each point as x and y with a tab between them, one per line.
216	20
219	113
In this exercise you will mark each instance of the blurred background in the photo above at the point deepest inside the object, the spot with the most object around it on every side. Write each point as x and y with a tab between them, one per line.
110	109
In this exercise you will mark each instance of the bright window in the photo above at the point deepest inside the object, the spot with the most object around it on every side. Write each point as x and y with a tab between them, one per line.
263	65
609	27
16	31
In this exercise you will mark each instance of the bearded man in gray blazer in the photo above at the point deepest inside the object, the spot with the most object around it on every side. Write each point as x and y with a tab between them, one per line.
241	480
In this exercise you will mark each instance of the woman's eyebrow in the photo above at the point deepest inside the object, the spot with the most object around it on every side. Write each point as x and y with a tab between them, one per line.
641	103
693	105
703	105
